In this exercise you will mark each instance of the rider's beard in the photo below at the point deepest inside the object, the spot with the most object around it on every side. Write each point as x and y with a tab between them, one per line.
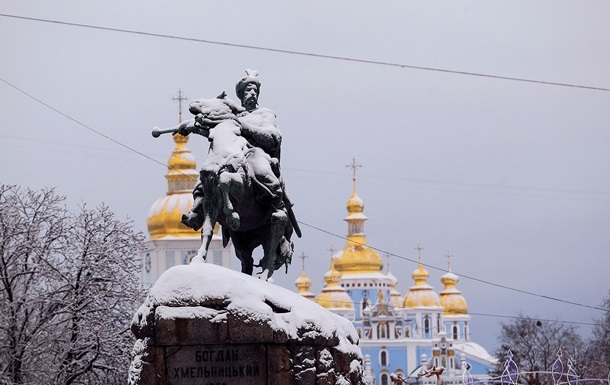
250	102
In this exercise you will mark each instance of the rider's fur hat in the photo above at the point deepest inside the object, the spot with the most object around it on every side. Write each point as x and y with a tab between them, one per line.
251	77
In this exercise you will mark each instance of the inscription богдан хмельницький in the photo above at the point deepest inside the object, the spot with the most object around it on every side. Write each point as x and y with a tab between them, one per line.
234	364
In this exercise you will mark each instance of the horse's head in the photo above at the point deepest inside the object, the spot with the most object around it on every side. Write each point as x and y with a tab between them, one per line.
215	109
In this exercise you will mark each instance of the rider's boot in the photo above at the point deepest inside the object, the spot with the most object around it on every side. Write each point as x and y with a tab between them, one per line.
279	212
194	218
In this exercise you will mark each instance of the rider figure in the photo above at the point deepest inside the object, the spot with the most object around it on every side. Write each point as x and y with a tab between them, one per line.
259	128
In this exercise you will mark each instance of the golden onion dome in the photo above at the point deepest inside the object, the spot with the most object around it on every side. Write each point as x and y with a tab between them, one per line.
356	257
452	300
182	158
303	283
355	204
421	294
165	214
333	296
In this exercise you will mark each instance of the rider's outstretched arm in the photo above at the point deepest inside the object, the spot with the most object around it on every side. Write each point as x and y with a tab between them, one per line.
192	126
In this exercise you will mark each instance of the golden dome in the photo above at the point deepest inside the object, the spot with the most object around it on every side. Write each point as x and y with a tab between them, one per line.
165	214
182	158
303	283
356	257
421	294
355	204
333	296
452	300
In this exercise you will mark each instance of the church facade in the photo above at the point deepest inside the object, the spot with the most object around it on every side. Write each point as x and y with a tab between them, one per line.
399	336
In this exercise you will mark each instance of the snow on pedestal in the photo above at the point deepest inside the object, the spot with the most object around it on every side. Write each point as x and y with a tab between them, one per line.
203	323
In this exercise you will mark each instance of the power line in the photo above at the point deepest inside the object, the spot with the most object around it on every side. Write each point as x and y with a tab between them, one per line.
461	275
300	222
464	184
485	189
532	319
531	191
309	54
81	123
51	142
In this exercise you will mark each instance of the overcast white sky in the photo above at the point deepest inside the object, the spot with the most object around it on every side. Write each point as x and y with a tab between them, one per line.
509	177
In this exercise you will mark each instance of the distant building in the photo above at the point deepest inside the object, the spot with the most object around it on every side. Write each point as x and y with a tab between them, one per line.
398	336
170	242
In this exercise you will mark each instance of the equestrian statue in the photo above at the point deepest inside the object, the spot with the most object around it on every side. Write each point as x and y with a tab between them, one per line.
240	185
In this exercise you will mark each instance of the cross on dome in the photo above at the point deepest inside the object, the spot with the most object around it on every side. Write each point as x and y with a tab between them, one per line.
303	256
181	97
354	166
419	248
449	256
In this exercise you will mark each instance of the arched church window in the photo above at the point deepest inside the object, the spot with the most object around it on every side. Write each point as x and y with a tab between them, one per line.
455	332
384	379
426	325
383	358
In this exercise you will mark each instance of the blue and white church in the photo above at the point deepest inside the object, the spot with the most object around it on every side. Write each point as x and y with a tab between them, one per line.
399	336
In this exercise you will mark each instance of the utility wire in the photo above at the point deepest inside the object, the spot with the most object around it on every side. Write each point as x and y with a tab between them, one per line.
461	275
532	319
470	188
300	222
463	184
302	53
83	124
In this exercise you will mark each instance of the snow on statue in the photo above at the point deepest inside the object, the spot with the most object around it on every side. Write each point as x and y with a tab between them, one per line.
240	184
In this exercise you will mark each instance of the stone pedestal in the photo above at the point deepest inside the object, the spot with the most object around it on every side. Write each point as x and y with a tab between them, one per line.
204	324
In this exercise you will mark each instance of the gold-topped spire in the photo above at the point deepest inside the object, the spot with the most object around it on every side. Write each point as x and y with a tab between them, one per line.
452	300
421	294
357	257
303	283
165	214
181	168
333	296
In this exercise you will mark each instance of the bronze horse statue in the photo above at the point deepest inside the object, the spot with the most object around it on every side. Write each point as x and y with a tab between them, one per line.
232	195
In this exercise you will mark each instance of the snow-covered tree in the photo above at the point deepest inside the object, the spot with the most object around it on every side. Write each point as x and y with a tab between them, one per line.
67	287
